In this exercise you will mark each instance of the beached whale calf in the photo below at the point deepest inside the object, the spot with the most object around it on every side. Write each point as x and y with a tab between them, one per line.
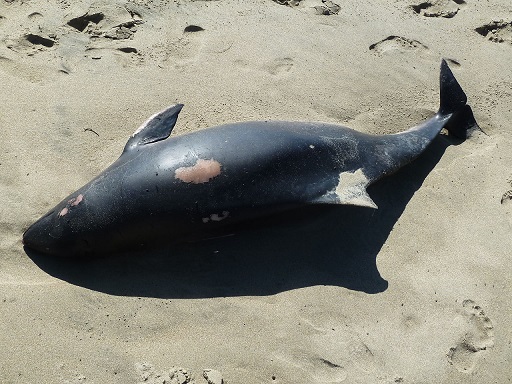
164	188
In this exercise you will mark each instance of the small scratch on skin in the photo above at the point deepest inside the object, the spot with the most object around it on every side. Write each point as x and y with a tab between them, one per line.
216	217
201	172
77	200
73	202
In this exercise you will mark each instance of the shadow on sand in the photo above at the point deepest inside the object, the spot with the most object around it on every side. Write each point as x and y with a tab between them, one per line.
319	245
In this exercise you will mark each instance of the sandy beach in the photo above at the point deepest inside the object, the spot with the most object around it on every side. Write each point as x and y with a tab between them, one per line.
418	291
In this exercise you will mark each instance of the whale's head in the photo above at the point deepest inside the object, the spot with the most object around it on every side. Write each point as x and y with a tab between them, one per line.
64	231
90	221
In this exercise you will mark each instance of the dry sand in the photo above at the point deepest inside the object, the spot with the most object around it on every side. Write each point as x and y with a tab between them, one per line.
416	292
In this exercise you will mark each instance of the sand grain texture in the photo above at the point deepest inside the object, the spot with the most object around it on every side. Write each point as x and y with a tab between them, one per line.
418	291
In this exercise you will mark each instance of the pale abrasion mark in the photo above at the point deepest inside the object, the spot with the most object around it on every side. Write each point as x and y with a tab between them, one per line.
351	189
63	212
73	202
216	217
77	200
201	172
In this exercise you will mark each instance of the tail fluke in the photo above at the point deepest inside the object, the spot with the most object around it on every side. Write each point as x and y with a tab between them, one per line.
453	97
453	100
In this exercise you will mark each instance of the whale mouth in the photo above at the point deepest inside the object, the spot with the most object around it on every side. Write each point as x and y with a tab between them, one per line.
50	235
37	236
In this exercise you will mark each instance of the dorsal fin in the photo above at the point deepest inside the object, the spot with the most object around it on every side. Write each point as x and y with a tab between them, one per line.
157	127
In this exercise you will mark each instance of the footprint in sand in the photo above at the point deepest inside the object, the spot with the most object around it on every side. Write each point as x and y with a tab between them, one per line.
438	8
507	197
35	16
477	339
36	35
319	7
103	31
497	31
398	44
110	30
176	375
31	43
333	354
186	48
32	73
86	22
112	22
40	40
327	8
279	66
315	368
213	376
290	3
506	201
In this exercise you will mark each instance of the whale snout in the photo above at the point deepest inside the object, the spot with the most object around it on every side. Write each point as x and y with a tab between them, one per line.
37	236
50	236
70	231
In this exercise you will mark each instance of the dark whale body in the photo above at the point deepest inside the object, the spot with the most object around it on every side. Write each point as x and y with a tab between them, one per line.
168	188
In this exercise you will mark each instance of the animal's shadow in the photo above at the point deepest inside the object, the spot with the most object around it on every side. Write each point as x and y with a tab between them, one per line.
320	245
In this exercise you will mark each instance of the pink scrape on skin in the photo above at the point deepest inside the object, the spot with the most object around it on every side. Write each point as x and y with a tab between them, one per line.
201	172
77	200
63	212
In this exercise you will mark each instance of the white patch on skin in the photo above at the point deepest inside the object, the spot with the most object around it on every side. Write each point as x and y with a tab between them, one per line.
63	212
312	146
216	217
201	172
351	189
